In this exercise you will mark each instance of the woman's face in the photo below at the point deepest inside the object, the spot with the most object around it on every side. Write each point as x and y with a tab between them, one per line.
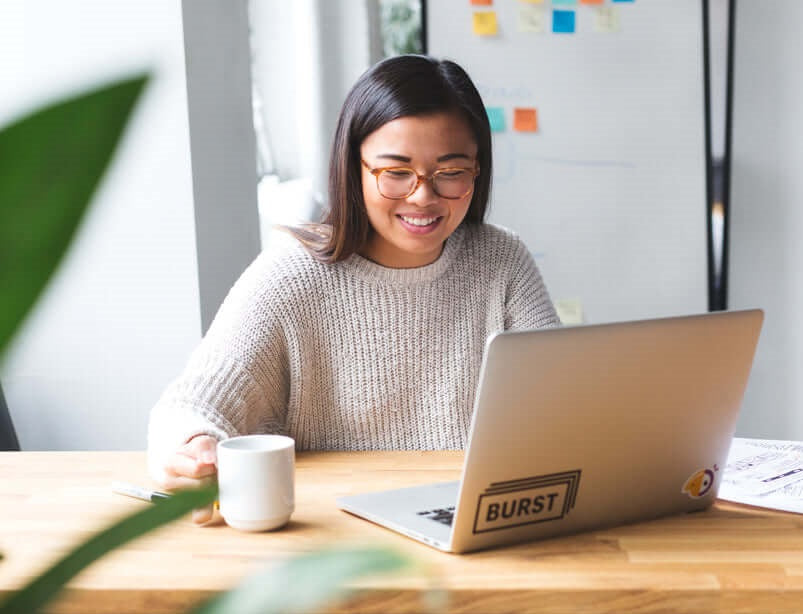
410	232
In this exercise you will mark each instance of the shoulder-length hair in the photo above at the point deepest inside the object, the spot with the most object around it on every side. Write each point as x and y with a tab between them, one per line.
396	87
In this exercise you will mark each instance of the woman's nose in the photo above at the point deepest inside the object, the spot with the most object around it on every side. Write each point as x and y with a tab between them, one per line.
425	194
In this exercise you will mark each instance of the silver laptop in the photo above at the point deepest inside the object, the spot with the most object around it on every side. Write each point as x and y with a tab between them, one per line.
585	427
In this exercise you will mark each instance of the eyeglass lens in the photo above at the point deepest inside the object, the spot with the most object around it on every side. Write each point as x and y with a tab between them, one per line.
399	183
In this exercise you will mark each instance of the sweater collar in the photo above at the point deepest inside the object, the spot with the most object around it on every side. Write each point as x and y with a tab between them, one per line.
372	271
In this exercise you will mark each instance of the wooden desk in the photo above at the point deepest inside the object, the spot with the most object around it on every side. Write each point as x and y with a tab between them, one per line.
728	559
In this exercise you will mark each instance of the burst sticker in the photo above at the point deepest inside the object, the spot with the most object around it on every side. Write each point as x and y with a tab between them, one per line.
515	503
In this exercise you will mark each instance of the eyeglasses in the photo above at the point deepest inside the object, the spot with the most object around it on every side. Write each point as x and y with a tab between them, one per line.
396	182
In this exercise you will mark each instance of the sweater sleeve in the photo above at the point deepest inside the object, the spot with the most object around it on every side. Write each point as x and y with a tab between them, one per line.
237	379
528	304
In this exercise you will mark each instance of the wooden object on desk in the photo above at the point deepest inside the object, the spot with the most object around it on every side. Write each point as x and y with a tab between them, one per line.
730	558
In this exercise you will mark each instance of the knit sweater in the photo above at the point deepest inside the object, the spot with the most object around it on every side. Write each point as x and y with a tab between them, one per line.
353	355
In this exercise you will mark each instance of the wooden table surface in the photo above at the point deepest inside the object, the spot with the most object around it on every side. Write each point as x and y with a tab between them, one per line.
728	559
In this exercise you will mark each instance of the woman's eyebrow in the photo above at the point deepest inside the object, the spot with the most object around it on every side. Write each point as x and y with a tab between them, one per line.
444	158
396	157
453	156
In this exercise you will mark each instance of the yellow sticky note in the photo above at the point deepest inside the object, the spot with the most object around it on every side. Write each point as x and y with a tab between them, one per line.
531	18
570	311
525	120
606	19
485	23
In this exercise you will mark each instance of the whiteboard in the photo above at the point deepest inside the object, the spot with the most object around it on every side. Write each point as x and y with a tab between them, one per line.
610	192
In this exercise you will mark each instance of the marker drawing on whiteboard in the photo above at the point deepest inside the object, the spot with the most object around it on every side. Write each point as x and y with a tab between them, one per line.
573	162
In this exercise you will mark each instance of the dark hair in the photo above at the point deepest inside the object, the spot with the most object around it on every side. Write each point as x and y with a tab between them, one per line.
396	87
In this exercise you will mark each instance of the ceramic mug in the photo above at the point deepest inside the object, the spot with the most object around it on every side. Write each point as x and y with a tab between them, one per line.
256	480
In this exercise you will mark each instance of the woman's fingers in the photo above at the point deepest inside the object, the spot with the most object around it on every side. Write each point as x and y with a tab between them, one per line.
180	482
193	466
195	459
182	465
202	447
202	515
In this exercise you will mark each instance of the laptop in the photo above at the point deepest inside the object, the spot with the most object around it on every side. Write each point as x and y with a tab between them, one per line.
585	427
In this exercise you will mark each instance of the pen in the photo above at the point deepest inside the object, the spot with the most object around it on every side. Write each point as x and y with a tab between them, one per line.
131	490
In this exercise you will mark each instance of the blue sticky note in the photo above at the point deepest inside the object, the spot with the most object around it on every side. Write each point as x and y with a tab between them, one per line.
563	21
496	116
564	1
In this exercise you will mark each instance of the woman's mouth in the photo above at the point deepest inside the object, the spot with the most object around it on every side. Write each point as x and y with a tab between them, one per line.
420	224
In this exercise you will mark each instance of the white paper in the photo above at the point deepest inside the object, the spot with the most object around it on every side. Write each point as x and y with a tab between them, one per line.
764	472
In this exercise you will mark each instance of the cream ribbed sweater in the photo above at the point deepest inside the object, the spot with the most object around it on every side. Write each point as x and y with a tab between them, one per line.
353	355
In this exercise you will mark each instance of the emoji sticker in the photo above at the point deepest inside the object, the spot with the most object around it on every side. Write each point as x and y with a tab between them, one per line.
699	483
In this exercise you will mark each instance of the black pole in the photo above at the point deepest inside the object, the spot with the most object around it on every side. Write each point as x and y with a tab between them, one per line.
709	162
726	163
718	171
424	45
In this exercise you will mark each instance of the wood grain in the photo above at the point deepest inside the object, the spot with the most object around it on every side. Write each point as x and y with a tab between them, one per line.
730	558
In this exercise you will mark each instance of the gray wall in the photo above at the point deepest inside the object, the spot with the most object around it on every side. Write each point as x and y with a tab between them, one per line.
223	150
766	224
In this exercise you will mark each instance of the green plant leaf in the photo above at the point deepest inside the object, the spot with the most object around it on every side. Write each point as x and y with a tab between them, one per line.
304	582
51	162
42	589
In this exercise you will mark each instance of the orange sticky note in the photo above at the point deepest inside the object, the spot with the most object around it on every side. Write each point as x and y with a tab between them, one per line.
525	120
485	23
591	1
482	2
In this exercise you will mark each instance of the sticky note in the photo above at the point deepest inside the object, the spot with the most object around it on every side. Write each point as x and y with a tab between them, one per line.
525	120
531	18
563	21
485	23
564	1
496	117
482	2
532	1
606	19
590	1
570	311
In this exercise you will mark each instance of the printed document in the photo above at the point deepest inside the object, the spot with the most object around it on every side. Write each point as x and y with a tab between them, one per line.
764	472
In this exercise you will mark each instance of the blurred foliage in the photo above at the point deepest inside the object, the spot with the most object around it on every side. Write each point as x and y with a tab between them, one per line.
51	163
304	583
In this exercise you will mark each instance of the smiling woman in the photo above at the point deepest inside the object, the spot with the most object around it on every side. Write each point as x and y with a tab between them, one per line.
368	333
405	111
413	214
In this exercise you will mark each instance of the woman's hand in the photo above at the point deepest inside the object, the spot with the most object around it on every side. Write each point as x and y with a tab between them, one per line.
194	465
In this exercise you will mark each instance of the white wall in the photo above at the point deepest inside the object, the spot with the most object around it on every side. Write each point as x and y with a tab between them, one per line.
307	55
122	314
766	250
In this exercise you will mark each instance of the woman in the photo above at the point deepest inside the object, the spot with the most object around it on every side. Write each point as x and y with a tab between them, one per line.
369	332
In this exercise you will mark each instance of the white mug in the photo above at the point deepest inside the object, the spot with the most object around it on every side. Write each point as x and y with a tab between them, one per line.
256	475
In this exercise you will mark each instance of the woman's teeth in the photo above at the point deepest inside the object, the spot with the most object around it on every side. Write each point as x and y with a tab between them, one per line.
419	221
